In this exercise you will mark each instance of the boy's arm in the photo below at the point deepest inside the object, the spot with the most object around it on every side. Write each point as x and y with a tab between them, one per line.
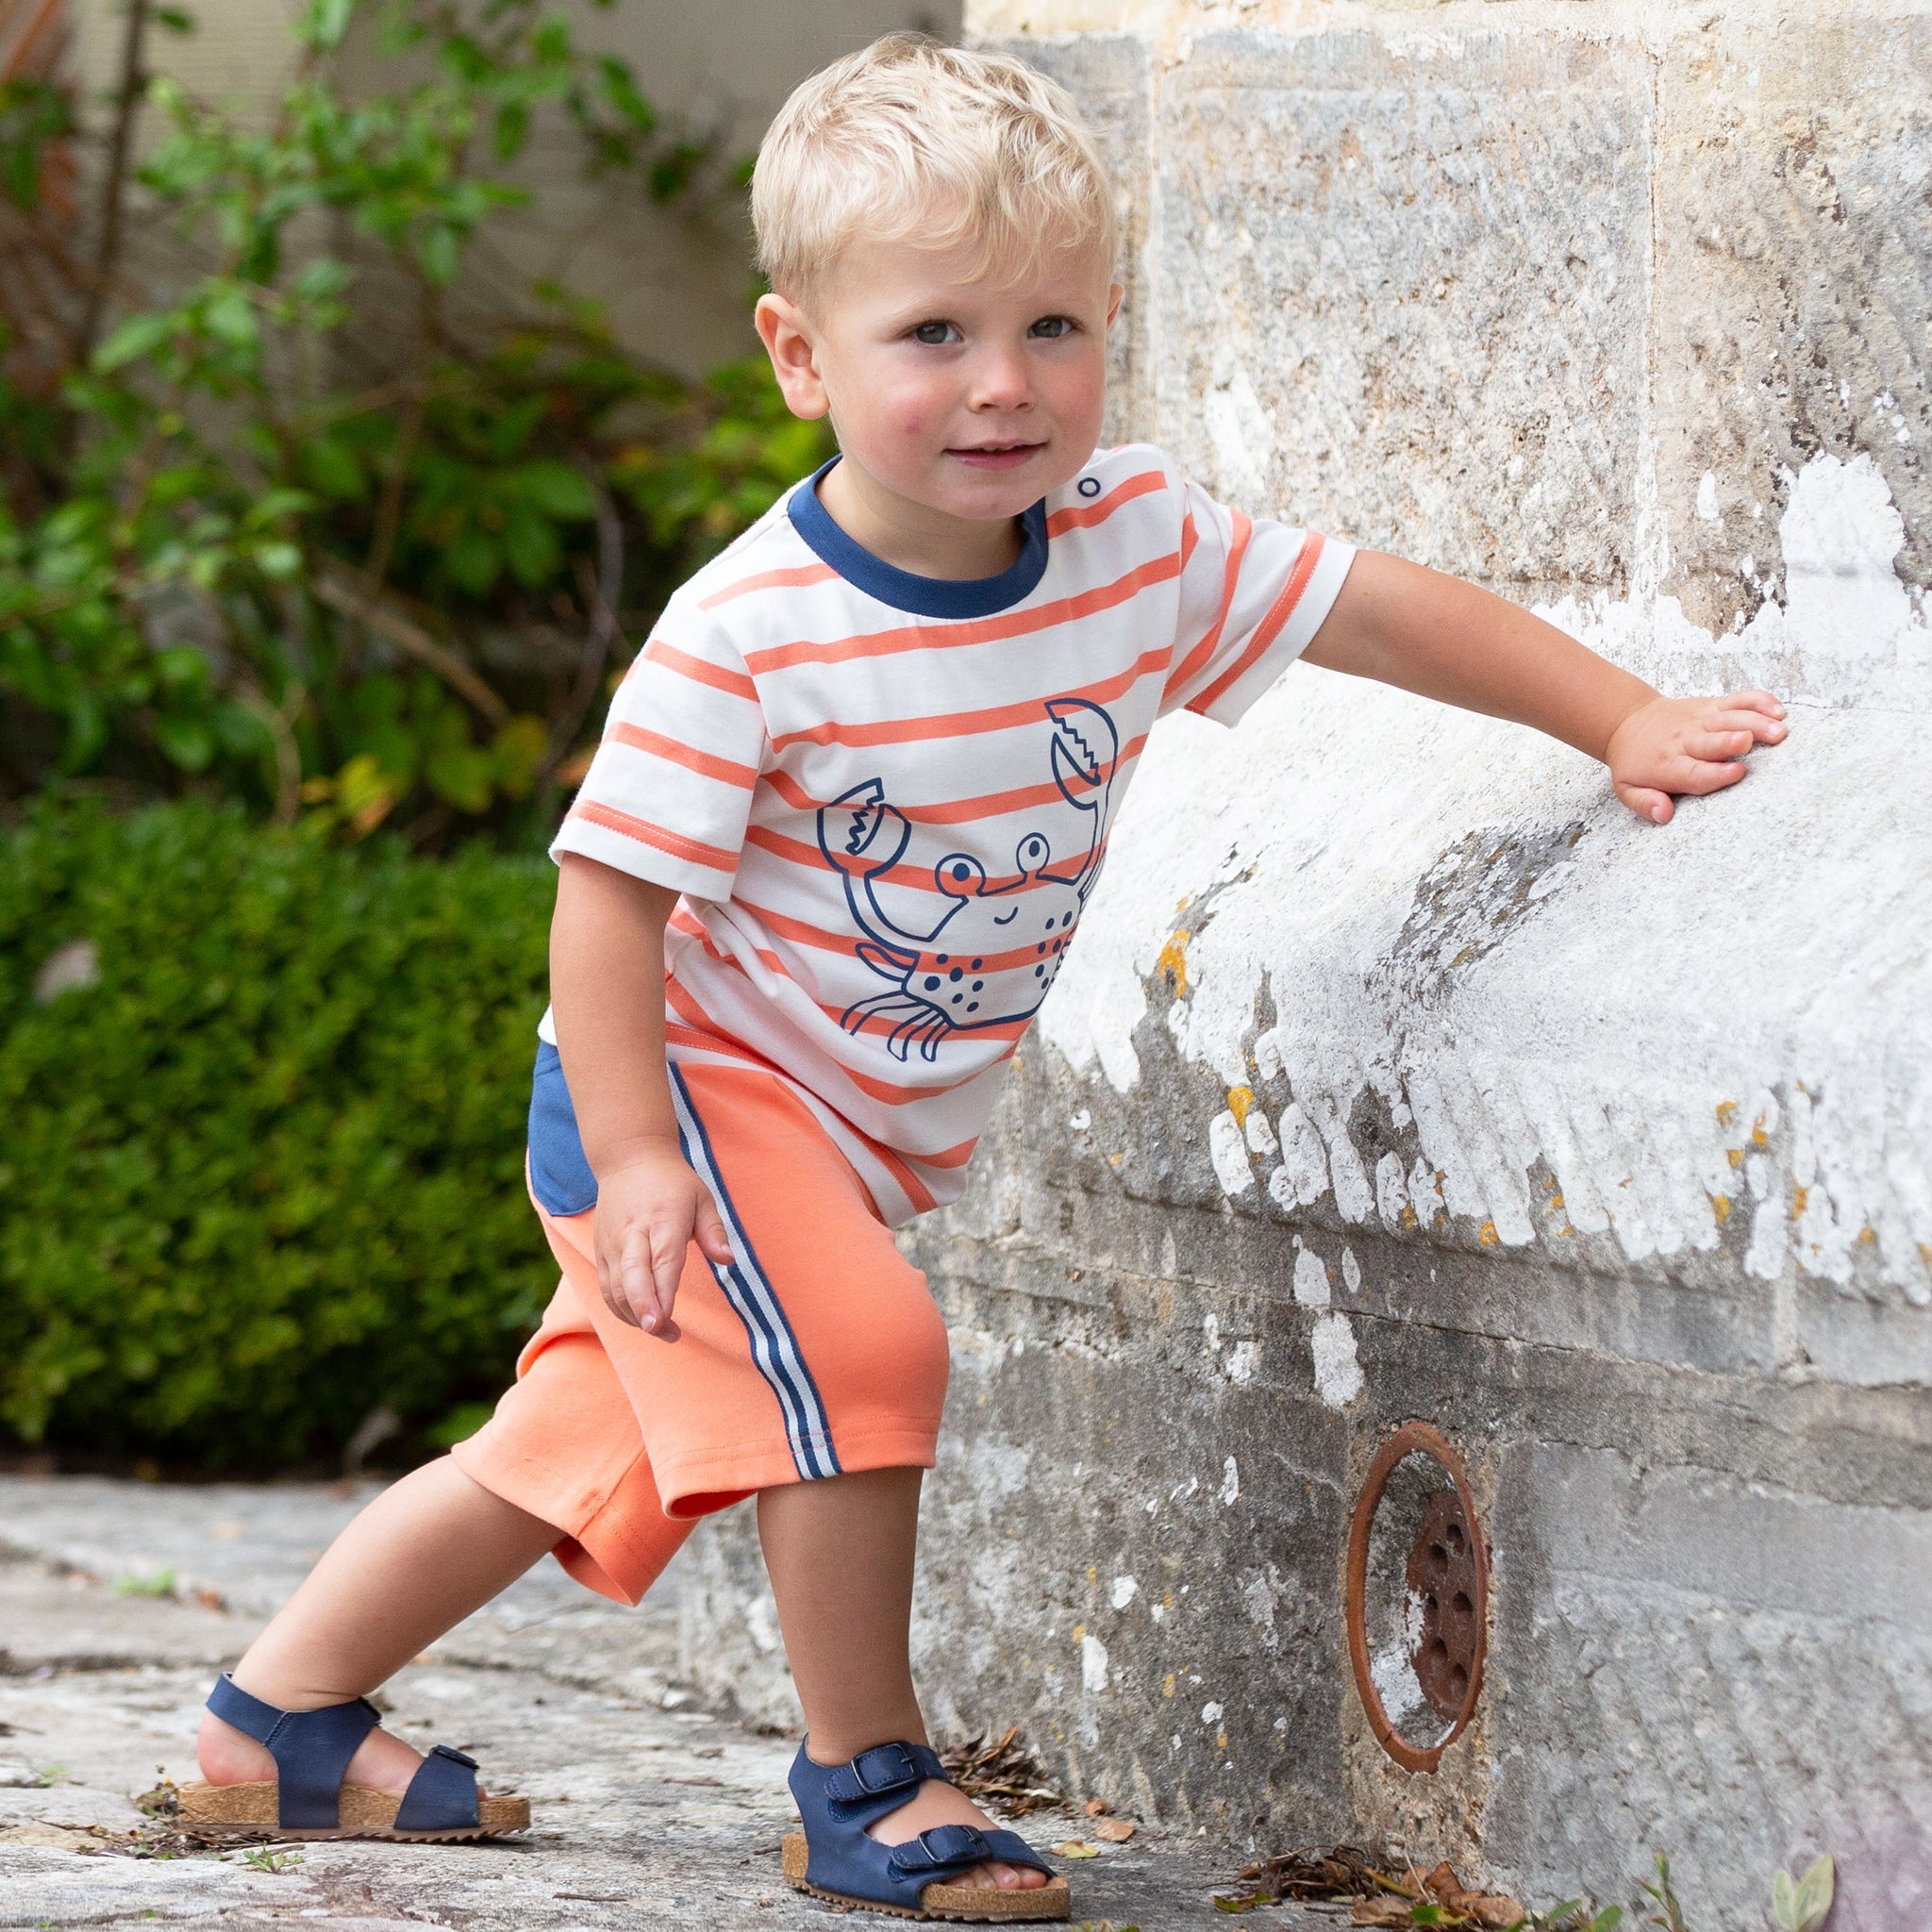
606	994
1447	640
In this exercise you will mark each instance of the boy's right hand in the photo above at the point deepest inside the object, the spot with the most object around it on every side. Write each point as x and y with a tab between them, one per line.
649	1212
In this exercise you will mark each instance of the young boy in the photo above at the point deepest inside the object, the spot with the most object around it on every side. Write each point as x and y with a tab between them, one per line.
849	805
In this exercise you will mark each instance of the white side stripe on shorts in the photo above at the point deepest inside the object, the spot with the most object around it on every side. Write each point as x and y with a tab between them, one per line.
774	1347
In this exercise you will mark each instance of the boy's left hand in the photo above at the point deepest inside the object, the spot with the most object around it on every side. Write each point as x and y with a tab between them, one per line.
1688	745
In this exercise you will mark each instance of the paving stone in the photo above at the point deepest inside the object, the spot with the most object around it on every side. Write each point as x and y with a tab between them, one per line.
643	1815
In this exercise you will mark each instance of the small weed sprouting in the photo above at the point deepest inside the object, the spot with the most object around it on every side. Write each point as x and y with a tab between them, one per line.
1803	1905
161	1584
271	1859
49	1776
1671	1915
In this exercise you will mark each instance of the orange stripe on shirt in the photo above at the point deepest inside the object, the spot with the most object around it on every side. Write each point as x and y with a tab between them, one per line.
846	943
964	723
957	810
985	630
1269	626
699	670
919	877
1203	651
724	770
890	1092
794	578
647	834
1084	516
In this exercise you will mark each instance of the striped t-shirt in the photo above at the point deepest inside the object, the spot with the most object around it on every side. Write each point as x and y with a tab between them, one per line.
884	798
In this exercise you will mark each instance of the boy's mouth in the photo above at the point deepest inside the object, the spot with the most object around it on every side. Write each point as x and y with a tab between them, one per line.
997	456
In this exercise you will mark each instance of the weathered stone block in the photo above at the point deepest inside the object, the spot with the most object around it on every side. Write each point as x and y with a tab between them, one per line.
1404	293
1794	286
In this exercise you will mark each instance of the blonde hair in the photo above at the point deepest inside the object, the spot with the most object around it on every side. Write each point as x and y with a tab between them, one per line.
910	136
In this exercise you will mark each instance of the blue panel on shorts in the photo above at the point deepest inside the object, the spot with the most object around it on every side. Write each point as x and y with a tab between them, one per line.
560	1177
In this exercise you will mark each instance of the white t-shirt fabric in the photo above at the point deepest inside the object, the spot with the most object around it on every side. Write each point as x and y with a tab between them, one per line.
884	798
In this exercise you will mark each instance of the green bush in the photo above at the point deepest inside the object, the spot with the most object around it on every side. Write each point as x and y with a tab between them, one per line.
265	1173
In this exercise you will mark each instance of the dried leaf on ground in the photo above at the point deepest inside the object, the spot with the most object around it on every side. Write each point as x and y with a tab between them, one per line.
1116	1831
1078	1848
1382	1911
1387	1895
1341	1871
1000	1773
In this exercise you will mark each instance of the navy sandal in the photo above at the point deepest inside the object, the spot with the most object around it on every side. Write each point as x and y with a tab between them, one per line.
833	1858
312	1750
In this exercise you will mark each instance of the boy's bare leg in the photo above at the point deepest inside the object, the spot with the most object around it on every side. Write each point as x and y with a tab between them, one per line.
840	1555
425	1553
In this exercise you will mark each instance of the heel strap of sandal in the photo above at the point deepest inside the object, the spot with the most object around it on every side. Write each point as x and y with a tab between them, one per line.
311	1748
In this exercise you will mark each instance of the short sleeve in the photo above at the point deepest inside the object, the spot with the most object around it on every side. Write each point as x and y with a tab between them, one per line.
1252	593
668	795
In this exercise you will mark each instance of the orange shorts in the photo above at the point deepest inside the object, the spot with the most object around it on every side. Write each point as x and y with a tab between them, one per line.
818	1351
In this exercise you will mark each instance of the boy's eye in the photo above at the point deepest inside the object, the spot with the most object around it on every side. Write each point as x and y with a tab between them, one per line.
1052	327
933	334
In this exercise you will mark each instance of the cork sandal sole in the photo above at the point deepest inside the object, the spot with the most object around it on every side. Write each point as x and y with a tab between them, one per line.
252	1811
977	1904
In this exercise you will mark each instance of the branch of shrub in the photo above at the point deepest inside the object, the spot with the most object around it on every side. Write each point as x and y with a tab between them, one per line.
600	593
345	590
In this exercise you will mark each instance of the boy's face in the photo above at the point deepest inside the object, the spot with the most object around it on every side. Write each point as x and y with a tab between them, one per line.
968	396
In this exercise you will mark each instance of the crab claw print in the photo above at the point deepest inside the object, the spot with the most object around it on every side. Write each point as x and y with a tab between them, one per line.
997	949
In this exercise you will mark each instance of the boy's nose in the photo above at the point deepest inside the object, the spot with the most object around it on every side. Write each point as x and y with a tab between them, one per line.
1000	382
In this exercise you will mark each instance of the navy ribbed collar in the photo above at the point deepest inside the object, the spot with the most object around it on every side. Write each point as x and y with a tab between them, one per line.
902	588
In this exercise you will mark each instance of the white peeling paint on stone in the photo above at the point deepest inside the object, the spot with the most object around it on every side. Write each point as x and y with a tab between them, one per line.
1229	1152
1338	1373
1393	1669
1123	1592
1230	1483
1093	1665
1311	1287
1612	1051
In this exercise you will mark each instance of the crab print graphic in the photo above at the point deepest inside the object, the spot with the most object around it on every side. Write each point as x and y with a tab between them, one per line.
997	949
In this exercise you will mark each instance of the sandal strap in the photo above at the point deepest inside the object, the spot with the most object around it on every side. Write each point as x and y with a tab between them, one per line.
442	1794
941	1848
885	1769
311	1748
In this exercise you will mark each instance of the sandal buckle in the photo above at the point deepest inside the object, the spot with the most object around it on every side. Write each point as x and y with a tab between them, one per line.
965	1838
894	1765
941	1848
455	1756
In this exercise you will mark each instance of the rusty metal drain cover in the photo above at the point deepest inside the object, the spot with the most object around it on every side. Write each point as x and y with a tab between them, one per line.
1442	1576
1416	1546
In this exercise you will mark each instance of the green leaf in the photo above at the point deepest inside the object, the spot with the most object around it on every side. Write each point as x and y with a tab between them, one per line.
186	742
175	20
515	753
331	466
460	775
1804	1906
512	126
556	489
323	23
530	543
472	561
230	316
139	335
438	254
277	560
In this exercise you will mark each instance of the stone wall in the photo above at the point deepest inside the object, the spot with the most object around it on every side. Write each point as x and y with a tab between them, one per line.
1399	1074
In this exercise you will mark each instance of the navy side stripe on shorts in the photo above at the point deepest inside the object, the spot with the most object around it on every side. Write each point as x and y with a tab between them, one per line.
774	1346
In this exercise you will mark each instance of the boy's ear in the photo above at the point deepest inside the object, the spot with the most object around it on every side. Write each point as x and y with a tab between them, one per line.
784	331
1113	303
